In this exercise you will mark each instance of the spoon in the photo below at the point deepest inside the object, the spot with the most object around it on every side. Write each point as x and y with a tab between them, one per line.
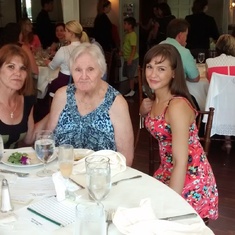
134	177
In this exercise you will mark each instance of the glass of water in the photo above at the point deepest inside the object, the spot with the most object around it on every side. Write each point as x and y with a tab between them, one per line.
98	175
44	147
201	57
90	218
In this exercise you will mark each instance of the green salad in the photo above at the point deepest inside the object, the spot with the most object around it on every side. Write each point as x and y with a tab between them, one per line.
19	158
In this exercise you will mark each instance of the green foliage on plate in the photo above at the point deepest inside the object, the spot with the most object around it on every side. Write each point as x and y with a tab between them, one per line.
19	158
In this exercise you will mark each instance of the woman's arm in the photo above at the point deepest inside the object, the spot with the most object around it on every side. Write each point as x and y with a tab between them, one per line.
58	103
29	138
123	131
180	116
145	107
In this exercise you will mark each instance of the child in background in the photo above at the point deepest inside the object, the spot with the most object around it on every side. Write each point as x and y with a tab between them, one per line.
130	54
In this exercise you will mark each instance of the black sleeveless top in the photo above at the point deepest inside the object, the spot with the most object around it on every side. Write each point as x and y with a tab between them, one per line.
12	134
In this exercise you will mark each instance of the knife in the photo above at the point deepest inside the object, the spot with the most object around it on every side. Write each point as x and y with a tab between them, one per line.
77	183
179	217
14	172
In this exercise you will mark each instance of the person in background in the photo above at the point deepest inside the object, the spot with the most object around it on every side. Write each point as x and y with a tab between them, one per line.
75	35
202	26
177	31
28	37
103	26
165	17
12	34
16	98
224	62
130	55
171	120
44	28
152	27
60	38
90	113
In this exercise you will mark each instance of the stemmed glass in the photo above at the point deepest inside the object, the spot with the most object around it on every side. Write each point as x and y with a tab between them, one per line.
44	148
98	177
66	160
201	57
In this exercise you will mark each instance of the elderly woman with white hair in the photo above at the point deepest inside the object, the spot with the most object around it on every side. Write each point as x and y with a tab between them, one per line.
75	35
90	113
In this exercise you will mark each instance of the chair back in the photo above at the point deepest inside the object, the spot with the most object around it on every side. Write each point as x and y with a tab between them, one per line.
205	138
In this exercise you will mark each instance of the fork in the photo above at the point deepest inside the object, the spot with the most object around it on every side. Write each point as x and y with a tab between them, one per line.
109	219
134	177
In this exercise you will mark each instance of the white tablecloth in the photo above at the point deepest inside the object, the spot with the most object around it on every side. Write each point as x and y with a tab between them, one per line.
221	96
45	76
199	89
128	194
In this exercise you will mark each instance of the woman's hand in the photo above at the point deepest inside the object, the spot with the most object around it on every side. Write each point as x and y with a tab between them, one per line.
145	107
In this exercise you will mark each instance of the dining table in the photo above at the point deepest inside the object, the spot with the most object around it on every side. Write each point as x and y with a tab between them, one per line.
199	89
25	191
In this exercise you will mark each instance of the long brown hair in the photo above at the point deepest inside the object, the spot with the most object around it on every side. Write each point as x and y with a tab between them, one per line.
9	51
27	36
177	85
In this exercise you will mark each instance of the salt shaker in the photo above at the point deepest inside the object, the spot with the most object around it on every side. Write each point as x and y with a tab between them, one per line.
1	147
6	199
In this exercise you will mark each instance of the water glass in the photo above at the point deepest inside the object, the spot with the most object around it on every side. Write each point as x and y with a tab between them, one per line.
98	176
201	57
90	218
44	148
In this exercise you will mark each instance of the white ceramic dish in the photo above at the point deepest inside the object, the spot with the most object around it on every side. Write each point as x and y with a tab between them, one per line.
34	161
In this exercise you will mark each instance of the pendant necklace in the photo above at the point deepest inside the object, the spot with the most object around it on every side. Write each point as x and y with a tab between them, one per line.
11	112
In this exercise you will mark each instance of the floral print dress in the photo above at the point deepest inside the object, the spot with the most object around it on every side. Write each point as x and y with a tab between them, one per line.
200	188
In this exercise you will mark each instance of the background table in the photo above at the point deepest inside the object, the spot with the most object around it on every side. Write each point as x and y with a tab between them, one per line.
199	89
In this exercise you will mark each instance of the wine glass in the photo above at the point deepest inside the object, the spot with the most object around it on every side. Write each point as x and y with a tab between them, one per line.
201	57
98	177
66	160
44	148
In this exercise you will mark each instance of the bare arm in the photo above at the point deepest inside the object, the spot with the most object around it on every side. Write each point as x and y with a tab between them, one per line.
29	138
133	50
124	137
145	107
58	103
180	116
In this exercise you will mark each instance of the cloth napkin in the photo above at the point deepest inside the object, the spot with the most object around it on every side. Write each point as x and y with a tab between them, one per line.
117	162
142	220
60	186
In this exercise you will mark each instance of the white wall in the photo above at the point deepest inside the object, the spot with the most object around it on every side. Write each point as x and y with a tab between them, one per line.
7	14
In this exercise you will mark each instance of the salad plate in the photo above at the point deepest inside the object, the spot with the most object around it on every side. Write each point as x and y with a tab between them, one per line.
31	154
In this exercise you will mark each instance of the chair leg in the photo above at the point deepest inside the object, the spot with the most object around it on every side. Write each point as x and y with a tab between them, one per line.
227	144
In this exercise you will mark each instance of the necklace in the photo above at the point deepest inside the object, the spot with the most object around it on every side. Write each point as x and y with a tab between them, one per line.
11	112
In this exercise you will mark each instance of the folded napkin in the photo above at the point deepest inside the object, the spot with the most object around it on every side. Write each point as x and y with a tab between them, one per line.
117	162
60	186
142	220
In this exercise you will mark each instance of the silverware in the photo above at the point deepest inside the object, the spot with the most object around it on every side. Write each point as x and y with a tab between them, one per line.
77	183
134	177
179	217
109	219
20	174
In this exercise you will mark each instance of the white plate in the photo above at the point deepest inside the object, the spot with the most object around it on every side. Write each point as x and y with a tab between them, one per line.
81	153
34	161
